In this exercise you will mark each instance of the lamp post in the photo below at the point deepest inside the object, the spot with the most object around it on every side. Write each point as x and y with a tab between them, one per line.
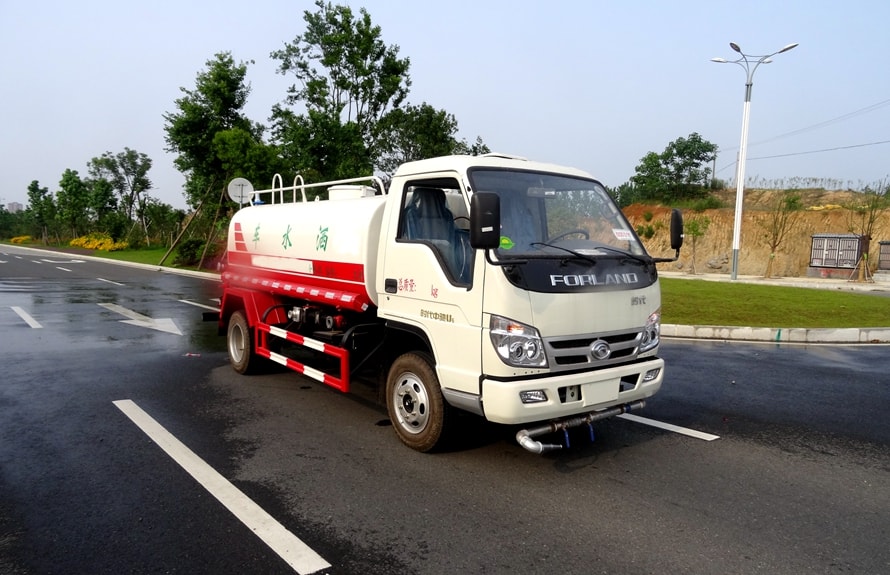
749	63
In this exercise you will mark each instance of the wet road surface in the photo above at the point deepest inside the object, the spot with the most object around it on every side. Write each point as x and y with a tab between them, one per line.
798	482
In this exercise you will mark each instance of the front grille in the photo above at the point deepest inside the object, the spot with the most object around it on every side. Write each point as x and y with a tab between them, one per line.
574	352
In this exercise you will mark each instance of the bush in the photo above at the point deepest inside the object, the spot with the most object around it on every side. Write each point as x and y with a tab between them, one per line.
21	240
98	241
189	252
646	231
115	224
707	203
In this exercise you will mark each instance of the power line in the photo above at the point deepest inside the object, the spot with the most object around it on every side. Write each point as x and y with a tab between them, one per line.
826	123
809	152
823	150
847	116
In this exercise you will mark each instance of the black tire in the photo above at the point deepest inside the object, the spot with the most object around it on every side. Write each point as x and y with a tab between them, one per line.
239	341
417	410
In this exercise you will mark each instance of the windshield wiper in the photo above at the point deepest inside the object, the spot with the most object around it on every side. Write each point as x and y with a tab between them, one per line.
573	252
625	255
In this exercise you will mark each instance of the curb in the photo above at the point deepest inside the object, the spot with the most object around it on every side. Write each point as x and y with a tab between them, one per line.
778	335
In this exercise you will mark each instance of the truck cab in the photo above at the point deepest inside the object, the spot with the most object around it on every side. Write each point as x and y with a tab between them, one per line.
535	296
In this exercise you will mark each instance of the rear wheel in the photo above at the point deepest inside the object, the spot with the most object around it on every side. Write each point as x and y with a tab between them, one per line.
239	340
414	400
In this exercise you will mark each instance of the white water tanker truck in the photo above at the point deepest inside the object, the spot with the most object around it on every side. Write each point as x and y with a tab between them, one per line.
491	284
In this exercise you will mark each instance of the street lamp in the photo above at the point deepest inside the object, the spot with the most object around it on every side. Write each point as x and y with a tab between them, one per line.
745	61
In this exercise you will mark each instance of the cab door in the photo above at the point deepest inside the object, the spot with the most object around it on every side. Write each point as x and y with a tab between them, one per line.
432	279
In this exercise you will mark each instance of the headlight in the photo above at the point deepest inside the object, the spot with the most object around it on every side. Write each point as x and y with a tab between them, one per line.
651	332
517	344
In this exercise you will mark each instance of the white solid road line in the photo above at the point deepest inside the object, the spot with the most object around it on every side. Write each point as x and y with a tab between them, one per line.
669	427
296	553
27	317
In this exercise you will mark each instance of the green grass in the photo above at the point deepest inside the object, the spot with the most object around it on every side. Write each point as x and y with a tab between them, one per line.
149	256
700	302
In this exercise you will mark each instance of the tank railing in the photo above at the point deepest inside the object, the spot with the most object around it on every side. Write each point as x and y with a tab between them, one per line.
276	192
302	188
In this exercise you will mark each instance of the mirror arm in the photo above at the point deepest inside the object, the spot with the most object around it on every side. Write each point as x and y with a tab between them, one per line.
502	263
665	260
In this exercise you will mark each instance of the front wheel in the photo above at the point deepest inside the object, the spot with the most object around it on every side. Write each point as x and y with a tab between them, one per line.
414	401
239	341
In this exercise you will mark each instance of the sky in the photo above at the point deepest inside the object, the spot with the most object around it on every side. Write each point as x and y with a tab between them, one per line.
585	83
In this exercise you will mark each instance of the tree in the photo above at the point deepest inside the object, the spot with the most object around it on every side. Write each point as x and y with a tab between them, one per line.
680	172
413	133
215	105
12	224
320	146
163	220
687	159
779	223
41	208
73	200
127	172
344	68
651	179
477	148
864	214
625	194
693	229
242	155
103	207
348	80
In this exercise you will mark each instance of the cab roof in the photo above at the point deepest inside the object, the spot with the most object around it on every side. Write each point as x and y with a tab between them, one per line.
462	163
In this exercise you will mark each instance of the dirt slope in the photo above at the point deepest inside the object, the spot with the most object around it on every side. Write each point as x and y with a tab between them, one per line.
824	214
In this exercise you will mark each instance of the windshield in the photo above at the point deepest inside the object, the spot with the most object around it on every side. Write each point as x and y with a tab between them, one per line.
543	215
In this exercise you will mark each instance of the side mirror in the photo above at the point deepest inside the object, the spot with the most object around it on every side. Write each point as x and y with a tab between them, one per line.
485	221
676	230
676	237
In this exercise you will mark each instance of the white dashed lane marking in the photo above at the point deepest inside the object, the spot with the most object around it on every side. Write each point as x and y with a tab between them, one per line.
27	317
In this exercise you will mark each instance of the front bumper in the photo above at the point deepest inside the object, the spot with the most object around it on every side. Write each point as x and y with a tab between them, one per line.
570	394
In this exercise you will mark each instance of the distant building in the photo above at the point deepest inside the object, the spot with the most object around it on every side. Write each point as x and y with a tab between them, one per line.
14	207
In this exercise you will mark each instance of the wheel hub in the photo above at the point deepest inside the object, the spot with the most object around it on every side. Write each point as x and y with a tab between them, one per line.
411	400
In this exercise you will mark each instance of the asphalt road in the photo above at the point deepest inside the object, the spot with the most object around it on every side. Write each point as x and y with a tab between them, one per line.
798	481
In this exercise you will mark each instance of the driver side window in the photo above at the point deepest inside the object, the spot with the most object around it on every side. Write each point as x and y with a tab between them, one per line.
435	213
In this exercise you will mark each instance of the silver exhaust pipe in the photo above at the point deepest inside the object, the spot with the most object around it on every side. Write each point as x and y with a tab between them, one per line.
526	437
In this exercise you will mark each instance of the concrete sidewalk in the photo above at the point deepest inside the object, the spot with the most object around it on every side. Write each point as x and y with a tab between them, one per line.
879	286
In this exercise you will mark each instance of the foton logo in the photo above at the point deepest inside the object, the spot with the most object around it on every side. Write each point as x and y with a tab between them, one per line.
579	280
